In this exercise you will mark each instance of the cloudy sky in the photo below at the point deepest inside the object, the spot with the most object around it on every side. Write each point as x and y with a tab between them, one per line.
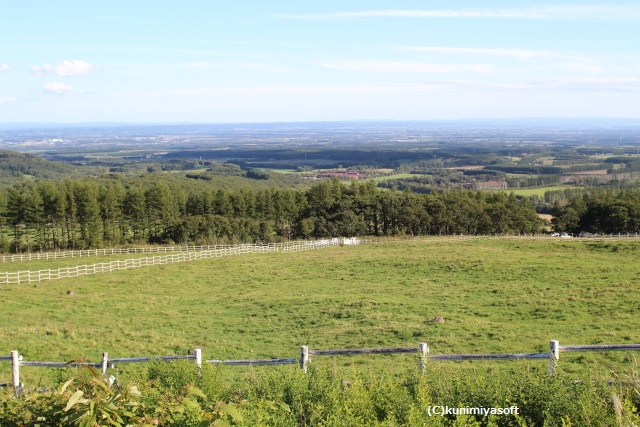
263	61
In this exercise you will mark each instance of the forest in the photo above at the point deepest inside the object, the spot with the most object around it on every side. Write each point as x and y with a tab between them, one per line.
600	212
91	213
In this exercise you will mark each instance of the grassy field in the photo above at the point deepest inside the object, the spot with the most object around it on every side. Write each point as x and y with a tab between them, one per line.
495	296
276	170
537	191
399	176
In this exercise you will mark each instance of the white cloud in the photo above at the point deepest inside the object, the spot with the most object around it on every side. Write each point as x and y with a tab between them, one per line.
235	66
6	67
511	53
57	88
407	67
5	100
595	84
564	12
41	70
74	68
581	67
66	68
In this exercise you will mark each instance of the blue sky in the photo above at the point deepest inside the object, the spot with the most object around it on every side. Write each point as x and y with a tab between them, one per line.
259	61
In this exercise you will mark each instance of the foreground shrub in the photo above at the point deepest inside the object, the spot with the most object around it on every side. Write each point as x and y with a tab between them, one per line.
176	394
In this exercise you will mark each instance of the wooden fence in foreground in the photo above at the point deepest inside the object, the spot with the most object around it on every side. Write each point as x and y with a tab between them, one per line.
553	356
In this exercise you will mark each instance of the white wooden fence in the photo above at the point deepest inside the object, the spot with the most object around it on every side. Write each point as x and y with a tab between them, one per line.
34	276
36	256
196	253
553	356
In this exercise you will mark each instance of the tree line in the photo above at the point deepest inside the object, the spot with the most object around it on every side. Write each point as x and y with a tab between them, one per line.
92	213
608	212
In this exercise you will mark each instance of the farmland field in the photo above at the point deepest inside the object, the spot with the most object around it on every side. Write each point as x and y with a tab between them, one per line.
495	296
399	176
537	191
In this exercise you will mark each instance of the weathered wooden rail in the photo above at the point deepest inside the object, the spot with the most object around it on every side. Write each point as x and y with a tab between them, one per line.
305	354
256	362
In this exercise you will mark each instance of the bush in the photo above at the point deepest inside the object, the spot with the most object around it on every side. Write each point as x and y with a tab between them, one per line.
176	394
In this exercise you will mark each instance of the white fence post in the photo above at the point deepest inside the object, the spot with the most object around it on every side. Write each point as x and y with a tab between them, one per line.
304	357
198	353
15	372
424	353
105	364
554	355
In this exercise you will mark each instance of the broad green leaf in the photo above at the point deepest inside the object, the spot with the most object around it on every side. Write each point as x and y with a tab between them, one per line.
75	397
87	422
133	391
284	406
65	385
190	403
101	384
195	391
232	411
220	423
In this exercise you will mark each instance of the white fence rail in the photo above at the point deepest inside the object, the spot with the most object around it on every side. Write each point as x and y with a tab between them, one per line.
37	256
196	253
34	276
553	356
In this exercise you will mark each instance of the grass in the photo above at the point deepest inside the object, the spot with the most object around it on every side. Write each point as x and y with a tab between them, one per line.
399	176
276	170
537	191
495	296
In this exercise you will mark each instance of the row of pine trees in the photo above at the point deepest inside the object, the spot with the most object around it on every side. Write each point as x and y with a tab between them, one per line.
92	213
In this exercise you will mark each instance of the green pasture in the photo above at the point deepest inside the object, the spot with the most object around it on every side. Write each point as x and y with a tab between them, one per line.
182	172
548	161
399	176
495	296
520	175
276	170
537	191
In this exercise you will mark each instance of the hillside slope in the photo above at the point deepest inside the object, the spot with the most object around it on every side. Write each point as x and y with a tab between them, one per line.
16	167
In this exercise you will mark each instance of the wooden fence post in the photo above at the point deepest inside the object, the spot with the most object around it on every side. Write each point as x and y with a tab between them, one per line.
105	365
424	353
554	355
198	353
304	357
15	372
